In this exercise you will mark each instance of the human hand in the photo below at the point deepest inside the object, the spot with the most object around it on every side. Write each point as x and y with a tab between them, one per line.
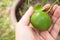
25	31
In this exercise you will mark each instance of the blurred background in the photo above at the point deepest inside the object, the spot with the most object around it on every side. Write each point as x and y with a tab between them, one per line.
6	33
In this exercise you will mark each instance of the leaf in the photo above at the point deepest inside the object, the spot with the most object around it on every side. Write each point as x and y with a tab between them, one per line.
44	1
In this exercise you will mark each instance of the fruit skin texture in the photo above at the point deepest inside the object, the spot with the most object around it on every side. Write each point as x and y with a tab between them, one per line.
40	20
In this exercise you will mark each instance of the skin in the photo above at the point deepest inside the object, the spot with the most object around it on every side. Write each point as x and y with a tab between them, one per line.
25	31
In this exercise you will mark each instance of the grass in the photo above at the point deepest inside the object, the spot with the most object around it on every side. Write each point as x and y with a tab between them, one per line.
5	32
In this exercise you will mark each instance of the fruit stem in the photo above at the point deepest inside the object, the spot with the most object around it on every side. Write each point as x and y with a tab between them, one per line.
52	5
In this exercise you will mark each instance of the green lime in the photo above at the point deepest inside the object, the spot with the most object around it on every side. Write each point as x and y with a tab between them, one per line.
40	19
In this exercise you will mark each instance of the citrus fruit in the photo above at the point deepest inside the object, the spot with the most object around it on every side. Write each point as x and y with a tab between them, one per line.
40	19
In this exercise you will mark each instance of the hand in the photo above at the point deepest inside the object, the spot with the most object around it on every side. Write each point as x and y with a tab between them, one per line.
25	31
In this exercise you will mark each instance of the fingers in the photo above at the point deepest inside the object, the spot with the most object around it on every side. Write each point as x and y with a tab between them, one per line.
51	12
46	35
46	7
58	22
55	30
53	9
25	19
57	12
55	17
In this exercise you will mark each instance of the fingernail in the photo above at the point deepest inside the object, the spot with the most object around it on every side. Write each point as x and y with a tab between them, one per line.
30	7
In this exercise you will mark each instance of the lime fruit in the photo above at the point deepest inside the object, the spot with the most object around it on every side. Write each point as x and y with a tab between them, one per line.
40	19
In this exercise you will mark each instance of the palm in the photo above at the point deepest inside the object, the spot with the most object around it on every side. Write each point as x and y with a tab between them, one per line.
52	33
27	32
45	35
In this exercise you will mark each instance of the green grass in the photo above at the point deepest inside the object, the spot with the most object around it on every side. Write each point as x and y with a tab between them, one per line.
5	32
5	3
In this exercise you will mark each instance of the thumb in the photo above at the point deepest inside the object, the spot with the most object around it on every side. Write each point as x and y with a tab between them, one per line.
26	17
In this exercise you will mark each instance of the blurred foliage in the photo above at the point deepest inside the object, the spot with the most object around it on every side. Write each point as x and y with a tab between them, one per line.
44	1
5	32
29	3
5	3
